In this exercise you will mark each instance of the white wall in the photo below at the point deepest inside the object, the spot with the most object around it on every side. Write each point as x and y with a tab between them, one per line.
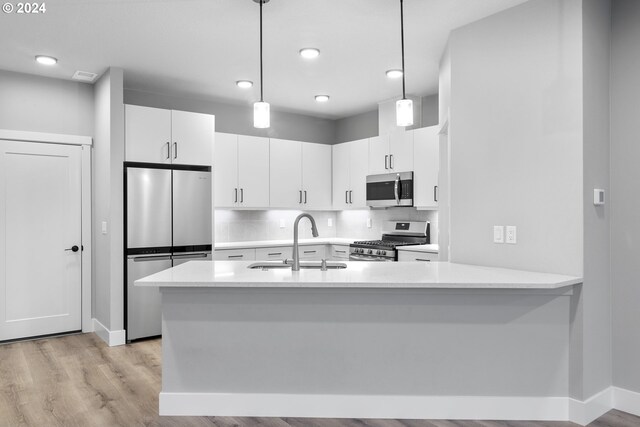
596	293
108	156
516	137
625	203
41	104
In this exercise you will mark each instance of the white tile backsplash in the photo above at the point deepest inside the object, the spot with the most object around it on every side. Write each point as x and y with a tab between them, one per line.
241	225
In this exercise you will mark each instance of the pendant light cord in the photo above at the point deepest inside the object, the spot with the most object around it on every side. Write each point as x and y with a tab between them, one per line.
402	43
261	97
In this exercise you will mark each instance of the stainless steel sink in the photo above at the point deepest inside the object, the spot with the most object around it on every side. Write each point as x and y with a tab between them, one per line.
268	265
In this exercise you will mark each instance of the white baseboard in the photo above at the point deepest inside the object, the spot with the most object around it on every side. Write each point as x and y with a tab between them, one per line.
112	338
584	412
365	406
626	400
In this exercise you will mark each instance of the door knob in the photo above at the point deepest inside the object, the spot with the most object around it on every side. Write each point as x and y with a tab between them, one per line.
73	248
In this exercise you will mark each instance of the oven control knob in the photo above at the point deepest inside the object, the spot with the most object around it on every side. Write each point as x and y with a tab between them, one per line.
384	252
377	252
370	251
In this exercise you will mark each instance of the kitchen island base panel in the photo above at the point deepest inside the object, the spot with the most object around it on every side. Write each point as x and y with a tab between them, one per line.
229	345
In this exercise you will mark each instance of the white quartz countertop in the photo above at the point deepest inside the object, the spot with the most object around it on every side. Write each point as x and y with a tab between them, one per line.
433	248
288	242
386	275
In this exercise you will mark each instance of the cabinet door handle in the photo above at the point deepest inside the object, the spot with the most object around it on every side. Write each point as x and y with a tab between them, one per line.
175	150
299	196
351	196
346	196
305	197
242	195
391	161
386	159
435	193
236	193
168	150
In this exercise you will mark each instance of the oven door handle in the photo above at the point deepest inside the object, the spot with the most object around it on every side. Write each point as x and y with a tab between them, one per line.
396	189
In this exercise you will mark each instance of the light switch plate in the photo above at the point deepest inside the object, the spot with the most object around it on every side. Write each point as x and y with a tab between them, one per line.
498	234
329	222
282	223
369	223
511	234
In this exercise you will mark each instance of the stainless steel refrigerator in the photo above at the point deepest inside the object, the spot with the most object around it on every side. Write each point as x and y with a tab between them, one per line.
167	223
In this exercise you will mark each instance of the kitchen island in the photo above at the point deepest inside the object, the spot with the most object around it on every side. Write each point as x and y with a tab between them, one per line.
381	340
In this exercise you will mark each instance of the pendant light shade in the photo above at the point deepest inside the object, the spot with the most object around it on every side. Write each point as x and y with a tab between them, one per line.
261	115
404	106
404	112
261	110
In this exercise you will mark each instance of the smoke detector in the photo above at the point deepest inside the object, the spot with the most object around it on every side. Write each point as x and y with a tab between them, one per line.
84	76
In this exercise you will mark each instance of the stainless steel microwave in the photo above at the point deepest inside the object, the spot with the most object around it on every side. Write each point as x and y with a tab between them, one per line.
390	189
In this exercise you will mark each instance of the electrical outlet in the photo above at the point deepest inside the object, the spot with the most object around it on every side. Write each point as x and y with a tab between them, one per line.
282	223
104	227
498	234
511	234
329	222
369	223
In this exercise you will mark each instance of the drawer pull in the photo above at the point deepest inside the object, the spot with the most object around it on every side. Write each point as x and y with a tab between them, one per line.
341	252
235	256
310	252
275	253
422	259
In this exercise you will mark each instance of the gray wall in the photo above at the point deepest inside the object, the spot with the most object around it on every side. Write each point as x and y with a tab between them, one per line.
239	119
108	155
365	125
625	203
40	104
596	292
516	138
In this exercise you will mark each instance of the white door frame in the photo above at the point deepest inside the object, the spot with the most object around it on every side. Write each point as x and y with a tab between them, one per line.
85	142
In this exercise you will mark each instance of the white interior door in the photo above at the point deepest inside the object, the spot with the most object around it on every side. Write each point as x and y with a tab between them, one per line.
40	283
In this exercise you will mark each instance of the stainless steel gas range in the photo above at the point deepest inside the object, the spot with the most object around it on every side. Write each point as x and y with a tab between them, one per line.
395	233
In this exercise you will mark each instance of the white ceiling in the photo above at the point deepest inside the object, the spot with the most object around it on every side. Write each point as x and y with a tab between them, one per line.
199	48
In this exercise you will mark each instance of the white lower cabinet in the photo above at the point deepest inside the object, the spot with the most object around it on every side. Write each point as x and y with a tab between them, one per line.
273	254
339	252
234	255
417	256
312	252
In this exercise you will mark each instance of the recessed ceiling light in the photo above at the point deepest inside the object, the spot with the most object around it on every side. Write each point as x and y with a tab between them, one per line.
394	74
46	60
309	52
244	84
322	98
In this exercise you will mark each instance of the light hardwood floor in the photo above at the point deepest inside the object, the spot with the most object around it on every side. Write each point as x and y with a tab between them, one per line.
77	380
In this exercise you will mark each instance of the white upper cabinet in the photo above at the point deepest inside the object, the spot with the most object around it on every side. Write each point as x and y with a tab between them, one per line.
350	168
391	153
300	175
147	134
286	173
225	170
253	171
241	171
316	176
426	160
155	135
192	135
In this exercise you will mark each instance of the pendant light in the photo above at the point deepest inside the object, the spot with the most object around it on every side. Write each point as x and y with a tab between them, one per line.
261	114
404	106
